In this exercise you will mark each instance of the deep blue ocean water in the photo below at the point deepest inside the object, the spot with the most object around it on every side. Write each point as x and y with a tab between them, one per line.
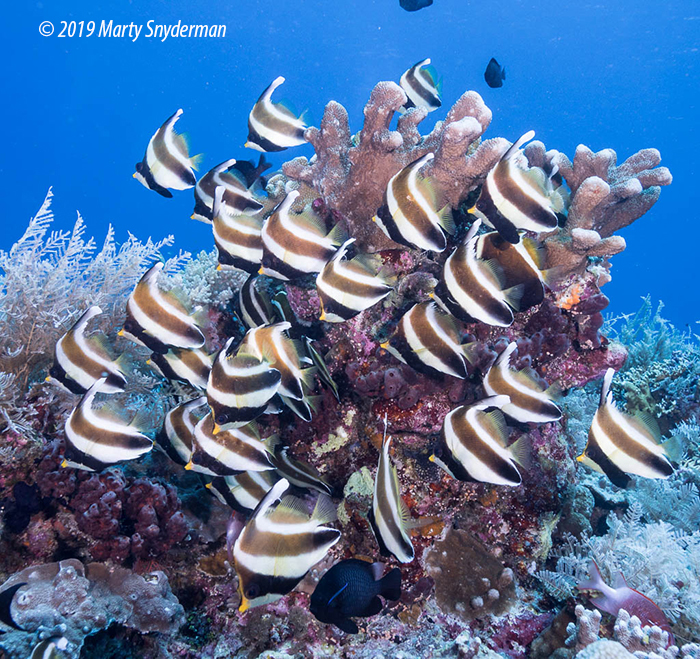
78	112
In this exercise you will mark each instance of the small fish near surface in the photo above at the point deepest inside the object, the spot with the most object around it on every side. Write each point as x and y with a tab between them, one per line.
530	402
473	444
80	361
239	199
427	339
422	86
238	238
473	290
620	444
294	244
51	648
157	319
414	5
182	365
96	439
240	386
621	596
274	126
347	288
167	164
516	196
495	74
389	517
351	589
412	213
280	544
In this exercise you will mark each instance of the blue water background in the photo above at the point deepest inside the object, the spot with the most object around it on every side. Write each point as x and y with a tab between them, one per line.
78	113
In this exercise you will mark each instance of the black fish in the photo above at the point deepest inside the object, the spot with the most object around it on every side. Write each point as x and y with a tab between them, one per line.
252	172
6	597
350	589
414	5
495	74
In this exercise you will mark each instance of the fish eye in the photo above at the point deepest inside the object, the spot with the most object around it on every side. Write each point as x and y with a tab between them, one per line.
253	591
139	165
222	418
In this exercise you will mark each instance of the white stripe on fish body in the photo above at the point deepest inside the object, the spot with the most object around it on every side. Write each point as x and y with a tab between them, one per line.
161	174
204	196
185	372
422	352
253	399
149	326
291	566
226	456
509	210
250	254
462	297
355	302
475	467
187	411
420	77
618	457
265	525
279	139
502	364
384	486
258	308
519	248
242	496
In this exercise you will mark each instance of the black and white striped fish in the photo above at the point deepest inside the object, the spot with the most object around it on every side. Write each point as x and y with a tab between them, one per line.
176	435
96	439
522	264
243	492
412	214
620	444
50	648
515	196
238	238
167	163
300	474
296	244
273	126
255	305
472	444
472	290
159	320
428	340
239	199
422	86
347	288
279	545
389	516
272	345
228	452
80	361
530	402
321	367
182	365
240	386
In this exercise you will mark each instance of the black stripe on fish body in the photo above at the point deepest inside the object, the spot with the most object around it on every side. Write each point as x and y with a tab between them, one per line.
265	145
625	444
238	262
528	402
285	129
430	99
399	343
272	543
6	597
143	169
456	469
58	373
167	159
512	192
202	459
272	265
383	549
201	210
516	270
442	295
330	306
158	358
389	518
265	584
219	488
389	224
135	330
294	471
253	306
426	322
594	453
101	437
485	205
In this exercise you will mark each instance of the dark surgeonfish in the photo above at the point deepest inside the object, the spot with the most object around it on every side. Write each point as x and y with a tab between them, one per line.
620	444
167	164
80	361
157	319
516	196
427	339
422	86
414	5
473	290
389	517
472	444
243	492
412	213
350	589
239	199
251	173
530	401
51	648
228	452
240	386
96	439
348	287
273	126
296	244
238	238
280	544
181	365
495	74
